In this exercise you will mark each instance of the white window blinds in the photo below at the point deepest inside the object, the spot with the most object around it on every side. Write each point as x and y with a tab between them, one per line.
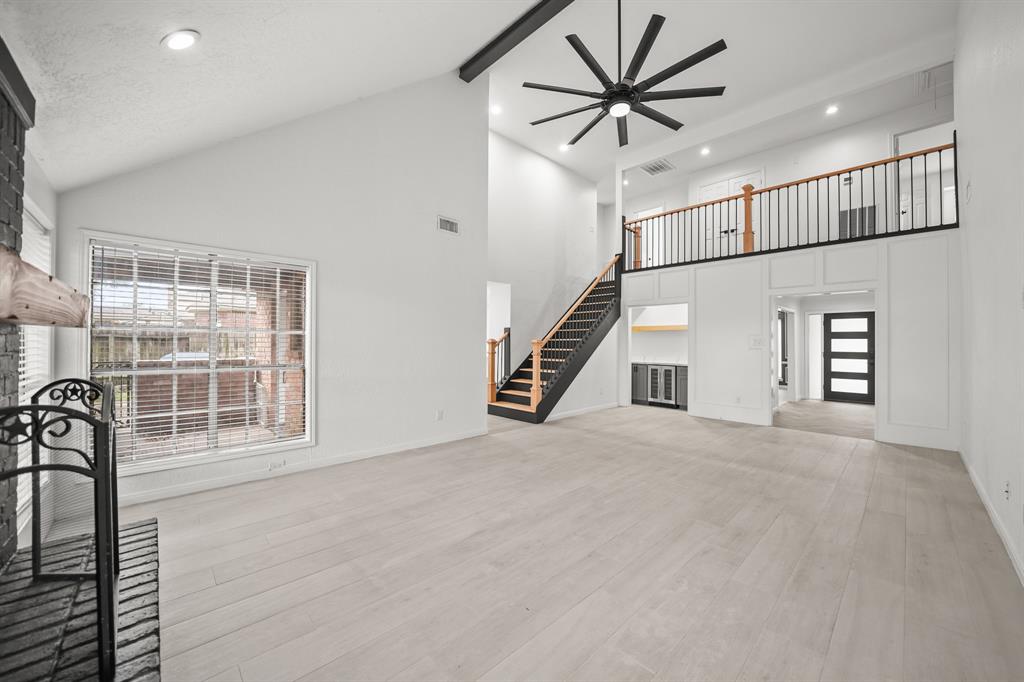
34	360
205	352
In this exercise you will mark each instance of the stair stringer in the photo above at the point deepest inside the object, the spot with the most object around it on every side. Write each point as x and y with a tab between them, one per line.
576	362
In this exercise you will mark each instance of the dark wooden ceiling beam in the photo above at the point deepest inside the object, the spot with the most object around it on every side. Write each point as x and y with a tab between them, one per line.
521	29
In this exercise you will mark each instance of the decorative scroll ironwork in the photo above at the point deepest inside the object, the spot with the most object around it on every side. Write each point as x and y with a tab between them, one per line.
82	391
44	426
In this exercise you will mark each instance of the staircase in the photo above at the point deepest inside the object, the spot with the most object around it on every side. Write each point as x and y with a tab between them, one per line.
535	387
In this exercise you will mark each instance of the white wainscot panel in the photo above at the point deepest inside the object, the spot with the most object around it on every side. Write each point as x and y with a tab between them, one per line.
638	288
919	361
729	307
795	270
673	284
851	264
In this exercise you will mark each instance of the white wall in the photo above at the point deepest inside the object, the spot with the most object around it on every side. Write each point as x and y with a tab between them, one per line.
733	307
659	347
499	308
543	239
40	197
542	236
861	142
399	305
609	233
990	108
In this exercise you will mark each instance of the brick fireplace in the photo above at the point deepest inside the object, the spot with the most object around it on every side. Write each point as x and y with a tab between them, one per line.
17	111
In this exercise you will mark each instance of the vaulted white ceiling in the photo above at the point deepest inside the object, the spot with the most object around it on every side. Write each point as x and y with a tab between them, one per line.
110	99
774	46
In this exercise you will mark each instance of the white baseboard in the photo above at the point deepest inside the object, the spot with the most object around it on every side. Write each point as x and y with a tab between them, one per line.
582	410
166	492
1004	535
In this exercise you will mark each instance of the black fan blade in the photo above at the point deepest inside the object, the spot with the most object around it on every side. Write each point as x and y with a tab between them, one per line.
558	88
623	132
589	60
682	94
597	119
661	118
680	66
644	48
595	105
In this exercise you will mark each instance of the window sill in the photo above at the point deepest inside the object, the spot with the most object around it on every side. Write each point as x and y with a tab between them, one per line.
126	469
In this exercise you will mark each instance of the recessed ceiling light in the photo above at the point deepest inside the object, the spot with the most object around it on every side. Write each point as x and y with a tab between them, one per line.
705	151
180	40
832	109
625	182
496	110
563	147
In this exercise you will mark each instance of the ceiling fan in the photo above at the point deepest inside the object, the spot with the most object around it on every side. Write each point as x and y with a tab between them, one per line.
618	99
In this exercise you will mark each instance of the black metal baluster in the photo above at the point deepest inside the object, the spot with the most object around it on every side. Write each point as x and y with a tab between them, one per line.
925	190
911	192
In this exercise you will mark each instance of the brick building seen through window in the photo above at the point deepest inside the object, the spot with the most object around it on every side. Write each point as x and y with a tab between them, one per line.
205	352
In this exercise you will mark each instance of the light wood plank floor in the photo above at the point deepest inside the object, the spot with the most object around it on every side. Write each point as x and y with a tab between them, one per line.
823	416
629	544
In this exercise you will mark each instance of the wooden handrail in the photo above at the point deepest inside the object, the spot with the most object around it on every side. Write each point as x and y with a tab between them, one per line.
503	336
734	197
813	178
851	169
582	297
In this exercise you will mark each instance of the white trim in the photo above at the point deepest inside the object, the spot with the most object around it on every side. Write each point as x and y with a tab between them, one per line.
1015	558
581	410
85	277
127	469
313	463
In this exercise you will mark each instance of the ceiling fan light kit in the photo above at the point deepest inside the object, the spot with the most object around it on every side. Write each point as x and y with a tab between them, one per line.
618	99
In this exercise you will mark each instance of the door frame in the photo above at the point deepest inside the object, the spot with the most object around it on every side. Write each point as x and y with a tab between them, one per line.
827	353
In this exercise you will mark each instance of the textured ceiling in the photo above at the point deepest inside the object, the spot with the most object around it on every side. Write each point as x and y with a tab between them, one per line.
111	99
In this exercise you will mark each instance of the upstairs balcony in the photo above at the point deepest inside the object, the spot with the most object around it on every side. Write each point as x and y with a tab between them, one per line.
911	192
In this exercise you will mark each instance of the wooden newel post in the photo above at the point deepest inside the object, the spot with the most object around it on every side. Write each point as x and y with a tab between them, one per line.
535	386
636	248
492	386
748	218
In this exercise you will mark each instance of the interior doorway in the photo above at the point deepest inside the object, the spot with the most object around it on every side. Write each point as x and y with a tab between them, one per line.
823	368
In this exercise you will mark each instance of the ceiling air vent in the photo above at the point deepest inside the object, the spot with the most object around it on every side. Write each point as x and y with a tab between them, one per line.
447	225
657	167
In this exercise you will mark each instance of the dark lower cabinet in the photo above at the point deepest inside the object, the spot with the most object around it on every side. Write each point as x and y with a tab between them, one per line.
681	386
639	384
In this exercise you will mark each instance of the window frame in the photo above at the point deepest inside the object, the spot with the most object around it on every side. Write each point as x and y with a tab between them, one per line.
24	507
132	468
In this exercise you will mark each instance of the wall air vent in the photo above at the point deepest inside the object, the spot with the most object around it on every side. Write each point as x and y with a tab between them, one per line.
447	225
657	167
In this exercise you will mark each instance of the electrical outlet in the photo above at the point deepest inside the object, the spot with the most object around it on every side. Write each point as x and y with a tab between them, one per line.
275	464
439	415
1006	490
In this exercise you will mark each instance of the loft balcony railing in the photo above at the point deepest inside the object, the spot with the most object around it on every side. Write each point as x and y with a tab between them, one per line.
903	194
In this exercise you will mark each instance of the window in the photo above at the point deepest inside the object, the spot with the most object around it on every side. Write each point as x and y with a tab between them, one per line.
783	336
206	352
35	368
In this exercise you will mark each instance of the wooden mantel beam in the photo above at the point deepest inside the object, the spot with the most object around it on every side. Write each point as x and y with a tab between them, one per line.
30	296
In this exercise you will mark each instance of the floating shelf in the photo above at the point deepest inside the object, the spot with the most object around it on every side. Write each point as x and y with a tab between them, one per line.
30	296
660	327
